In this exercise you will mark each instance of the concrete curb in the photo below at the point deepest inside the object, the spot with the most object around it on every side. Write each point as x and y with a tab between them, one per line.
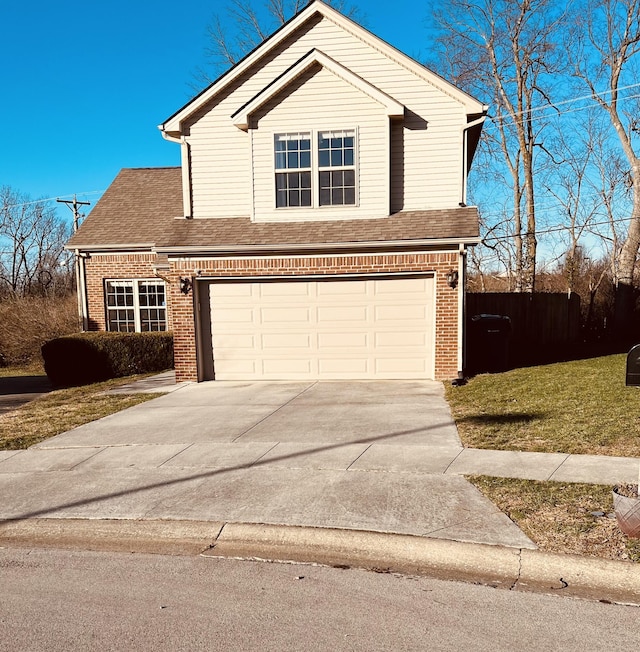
155	537
510	568
497	566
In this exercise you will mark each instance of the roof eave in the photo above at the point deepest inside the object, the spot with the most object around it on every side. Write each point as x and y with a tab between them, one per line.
238	249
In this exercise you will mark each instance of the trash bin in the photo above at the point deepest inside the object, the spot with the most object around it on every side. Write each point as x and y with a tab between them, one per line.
488	343
633	366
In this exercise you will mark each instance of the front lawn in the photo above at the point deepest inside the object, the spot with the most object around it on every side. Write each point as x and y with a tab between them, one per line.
62	410
579	407
568	518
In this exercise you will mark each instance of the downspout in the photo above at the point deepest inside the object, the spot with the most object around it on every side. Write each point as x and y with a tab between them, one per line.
462	331
81	287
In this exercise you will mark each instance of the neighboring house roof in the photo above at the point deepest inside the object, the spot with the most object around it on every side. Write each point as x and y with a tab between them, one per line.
172	127
142	209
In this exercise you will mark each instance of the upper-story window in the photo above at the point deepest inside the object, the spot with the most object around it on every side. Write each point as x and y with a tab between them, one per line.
293	169
331	162
136	305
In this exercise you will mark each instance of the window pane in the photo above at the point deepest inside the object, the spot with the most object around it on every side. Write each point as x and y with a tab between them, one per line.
323	143
337	196
325	179
325	197
294	198
305	159
305	198
336	157
323	158
348	157
281	198
293	160
350	196
281	181
349	178
281	160
336	143
305	180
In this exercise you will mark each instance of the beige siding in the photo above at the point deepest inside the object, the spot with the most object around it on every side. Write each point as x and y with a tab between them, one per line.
310	105
427	149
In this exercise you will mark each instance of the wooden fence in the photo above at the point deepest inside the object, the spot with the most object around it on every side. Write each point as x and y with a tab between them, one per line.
543	327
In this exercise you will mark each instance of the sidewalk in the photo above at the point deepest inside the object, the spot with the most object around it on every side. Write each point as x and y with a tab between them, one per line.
193	469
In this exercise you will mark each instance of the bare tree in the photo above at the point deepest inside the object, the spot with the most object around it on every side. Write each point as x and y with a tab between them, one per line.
32	257
243	25
508	48
605	58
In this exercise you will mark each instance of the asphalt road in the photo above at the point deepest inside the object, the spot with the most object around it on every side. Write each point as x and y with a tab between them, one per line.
59	600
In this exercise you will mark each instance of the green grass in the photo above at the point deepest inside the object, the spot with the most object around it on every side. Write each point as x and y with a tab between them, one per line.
578	407
557	516
62	410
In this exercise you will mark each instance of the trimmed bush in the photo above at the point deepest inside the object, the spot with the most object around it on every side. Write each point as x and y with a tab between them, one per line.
92	357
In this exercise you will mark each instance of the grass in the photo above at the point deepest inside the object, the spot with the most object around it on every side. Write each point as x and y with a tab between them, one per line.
579	407
62	410
558	516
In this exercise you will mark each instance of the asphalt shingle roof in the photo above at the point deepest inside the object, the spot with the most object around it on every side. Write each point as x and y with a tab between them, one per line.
143	207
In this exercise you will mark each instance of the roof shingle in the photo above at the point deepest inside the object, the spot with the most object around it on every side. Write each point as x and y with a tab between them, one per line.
143	208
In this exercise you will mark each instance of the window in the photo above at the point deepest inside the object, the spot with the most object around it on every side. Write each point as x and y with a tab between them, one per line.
293	152
337	174
331	162
134	306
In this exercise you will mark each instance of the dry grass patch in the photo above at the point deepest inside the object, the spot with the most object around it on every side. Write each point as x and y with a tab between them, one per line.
62	410
558	516
579	407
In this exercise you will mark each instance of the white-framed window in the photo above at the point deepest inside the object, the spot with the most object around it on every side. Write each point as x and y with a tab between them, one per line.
315	168
136	305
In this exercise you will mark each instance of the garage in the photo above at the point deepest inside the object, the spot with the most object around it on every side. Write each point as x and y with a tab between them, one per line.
306	329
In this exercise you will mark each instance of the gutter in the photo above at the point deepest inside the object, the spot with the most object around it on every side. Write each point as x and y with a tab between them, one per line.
317	247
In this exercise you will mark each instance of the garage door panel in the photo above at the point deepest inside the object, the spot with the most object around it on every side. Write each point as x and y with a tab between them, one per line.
341	329
285	315
400	339
286	341
334	313
343	340
235	315
342	288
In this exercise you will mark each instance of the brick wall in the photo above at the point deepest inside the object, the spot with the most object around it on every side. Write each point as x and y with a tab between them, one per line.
180	313
446	316
114	266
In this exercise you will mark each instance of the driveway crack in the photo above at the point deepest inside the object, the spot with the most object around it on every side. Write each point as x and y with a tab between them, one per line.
268	416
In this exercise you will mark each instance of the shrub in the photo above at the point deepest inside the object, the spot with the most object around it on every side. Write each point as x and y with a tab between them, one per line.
27	323
91	357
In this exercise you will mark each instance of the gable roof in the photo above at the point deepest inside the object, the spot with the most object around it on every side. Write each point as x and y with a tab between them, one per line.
315	57
171	128
139	212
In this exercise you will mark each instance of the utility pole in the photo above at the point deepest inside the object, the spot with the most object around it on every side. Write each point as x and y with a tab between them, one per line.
78	263
73	207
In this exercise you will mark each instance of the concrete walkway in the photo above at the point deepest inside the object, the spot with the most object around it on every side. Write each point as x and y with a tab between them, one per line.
377	457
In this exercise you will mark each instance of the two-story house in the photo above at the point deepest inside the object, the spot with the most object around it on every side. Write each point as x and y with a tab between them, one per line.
317	227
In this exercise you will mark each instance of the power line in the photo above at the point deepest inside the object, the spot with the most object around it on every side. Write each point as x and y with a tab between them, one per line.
73	207
51	199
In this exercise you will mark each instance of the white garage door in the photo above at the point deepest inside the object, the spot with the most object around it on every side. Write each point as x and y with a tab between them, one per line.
329	329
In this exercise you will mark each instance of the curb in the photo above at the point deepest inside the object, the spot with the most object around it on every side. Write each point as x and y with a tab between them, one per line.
501	567
118	535
497	566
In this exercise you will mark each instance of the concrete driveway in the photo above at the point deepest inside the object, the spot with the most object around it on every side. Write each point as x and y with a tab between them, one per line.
349	455
309	424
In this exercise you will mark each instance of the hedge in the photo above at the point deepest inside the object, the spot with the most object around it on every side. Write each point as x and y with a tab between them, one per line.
92	357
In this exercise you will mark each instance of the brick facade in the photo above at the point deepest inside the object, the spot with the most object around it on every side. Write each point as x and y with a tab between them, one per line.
182	320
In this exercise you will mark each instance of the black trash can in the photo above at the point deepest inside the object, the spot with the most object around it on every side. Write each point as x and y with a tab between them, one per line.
488	344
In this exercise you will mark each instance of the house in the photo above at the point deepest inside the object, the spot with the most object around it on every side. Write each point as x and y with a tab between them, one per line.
317	227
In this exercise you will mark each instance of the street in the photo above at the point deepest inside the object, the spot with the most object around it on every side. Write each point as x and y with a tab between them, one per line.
69	600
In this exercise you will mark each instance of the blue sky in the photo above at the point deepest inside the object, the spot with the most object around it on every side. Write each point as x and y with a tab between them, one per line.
85	83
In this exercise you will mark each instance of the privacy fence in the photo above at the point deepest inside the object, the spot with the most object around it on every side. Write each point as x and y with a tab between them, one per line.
542	327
